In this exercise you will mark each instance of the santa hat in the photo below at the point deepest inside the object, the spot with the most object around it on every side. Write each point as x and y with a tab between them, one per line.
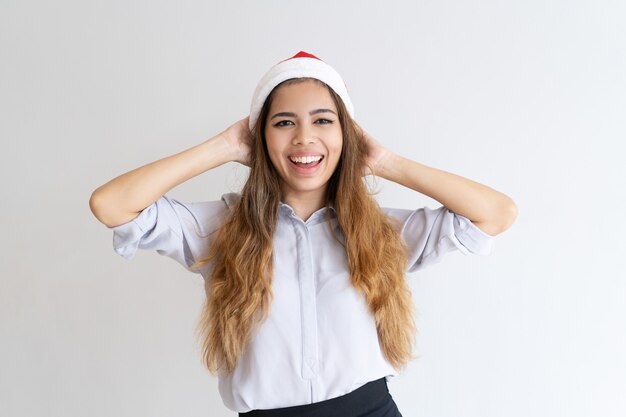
300	65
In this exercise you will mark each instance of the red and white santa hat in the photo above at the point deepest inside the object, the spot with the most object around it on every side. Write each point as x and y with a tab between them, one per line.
300	65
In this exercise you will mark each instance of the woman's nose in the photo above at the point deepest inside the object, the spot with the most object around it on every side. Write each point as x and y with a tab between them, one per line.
303	135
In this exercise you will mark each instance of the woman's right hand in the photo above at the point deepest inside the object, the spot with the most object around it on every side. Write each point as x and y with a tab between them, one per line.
239	139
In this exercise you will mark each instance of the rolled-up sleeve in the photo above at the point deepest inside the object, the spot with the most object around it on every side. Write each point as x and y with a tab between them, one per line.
431	233
181	231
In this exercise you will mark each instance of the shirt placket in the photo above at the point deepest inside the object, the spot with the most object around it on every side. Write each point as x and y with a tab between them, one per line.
306	278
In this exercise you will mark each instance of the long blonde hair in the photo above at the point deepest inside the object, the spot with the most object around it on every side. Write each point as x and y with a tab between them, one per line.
239	291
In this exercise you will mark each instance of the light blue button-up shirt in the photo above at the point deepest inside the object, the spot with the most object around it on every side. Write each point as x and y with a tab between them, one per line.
319	340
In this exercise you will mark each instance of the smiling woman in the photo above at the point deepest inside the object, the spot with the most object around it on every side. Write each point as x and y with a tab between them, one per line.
307	310
304	142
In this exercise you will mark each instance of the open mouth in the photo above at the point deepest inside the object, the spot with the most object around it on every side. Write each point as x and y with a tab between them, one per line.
306	161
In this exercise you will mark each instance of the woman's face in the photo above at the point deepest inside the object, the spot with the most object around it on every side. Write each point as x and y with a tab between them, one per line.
304	138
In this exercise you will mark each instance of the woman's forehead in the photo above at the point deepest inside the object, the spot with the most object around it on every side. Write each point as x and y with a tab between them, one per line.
303	94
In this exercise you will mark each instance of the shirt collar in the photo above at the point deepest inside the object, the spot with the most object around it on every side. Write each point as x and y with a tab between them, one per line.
317	217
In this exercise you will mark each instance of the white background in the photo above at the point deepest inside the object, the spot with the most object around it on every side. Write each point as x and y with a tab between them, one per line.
526	97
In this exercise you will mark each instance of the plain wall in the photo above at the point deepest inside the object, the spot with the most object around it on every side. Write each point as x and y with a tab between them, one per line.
526	97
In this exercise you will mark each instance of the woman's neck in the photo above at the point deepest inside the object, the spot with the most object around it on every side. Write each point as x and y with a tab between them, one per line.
305	203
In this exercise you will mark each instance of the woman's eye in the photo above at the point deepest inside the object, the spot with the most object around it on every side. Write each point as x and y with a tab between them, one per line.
283	123
324	121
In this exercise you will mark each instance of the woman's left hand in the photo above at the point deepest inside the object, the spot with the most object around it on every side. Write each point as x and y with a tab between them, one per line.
376	154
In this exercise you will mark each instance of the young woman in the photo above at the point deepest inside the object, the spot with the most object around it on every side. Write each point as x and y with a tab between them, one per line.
308	312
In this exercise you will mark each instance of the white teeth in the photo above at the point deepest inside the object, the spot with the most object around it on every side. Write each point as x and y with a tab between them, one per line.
305	159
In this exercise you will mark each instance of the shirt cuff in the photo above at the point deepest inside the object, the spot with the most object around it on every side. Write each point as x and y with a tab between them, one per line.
127	236
472	237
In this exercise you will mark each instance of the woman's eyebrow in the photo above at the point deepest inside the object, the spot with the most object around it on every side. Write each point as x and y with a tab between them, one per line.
284	114
311	113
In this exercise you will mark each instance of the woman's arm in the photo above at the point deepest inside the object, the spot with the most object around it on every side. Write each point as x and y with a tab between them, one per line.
122	199
490	210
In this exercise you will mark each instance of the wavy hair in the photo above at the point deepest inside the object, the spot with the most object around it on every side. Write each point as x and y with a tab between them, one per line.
239	291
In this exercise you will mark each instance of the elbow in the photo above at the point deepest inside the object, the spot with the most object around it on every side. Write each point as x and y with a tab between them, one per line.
510	213
506	215
95	205
502	217
107	209
98	206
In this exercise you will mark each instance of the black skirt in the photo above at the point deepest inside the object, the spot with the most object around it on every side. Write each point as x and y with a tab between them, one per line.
371	400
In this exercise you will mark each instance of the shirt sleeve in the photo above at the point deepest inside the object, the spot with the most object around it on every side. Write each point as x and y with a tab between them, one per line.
181	231
431	233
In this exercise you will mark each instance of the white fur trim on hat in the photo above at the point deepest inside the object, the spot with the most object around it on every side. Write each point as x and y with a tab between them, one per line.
300	65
